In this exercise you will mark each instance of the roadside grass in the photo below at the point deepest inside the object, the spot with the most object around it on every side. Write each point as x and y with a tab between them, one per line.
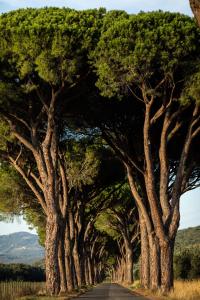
183	290
69	296
14	289
19	290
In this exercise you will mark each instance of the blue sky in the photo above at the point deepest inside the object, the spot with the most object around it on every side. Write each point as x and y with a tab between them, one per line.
190	202
132	6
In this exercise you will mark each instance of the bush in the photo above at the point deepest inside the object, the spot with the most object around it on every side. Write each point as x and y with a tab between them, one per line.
21	272
187	264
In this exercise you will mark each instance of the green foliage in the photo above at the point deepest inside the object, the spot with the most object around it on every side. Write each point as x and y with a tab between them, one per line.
82	160
113	16
11	192
187	264
187	253
119	213
144	47
21	272
191	91
105	223
9	92
51	43
5	135
187	238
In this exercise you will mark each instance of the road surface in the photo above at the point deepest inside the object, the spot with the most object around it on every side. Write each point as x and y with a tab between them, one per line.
107	291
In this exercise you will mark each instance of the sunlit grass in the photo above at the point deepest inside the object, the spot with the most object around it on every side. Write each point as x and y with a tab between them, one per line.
183	290
186	290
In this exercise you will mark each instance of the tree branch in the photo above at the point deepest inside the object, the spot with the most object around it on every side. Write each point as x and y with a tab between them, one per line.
29	183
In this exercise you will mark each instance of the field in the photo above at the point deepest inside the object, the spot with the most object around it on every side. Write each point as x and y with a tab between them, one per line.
183	290
186	290
15	289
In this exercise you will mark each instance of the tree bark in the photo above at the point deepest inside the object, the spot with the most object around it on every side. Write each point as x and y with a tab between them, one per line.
87	280
129	263
167	266
77	264
61	259
154	253
144	258
51	256
82	263
68	255
90	271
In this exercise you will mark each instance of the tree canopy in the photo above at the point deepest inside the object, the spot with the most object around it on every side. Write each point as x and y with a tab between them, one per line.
129	79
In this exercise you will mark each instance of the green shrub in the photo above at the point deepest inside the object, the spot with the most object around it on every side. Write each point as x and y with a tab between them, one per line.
187	264
21	272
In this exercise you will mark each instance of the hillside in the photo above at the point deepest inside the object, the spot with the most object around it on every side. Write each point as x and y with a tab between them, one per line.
187	238
23	247
20	247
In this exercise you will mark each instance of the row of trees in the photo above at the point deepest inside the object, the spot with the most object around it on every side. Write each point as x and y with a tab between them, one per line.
20	272
133	80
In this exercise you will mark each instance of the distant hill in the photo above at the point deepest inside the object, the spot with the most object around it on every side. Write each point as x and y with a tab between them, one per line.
23	247
188	238
20	247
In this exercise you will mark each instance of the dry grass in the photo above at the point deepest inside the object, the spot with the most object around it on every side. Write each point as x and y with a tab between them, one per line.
19	290
74	294
183	290
186	290
14	289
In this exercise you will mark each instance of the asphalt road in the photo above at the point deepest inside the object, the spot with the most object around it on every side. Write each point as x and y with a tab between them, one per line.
111	292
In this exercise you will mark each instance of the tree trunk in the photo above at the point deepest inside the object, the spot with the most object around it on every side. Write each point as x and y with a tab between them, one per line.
167	266
82	262
91	278
68	257
51	257
96	273
129	263
77	264
144	258
61	259
75	282
154	253
86	271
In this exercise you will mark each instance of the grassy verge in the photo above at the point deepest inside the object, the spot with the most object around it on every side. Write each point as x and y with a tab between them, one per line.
69	296
183	290
186	290
16	290
13	289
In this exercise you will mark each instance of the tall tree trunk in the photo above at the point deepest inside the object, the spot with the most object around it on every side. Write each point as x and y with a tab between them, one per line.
68	257
144	258
129	263
61	259
51	256
167	249
75	282
96	273
155	272
77	264
87	279
69	273
82	262
91	277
